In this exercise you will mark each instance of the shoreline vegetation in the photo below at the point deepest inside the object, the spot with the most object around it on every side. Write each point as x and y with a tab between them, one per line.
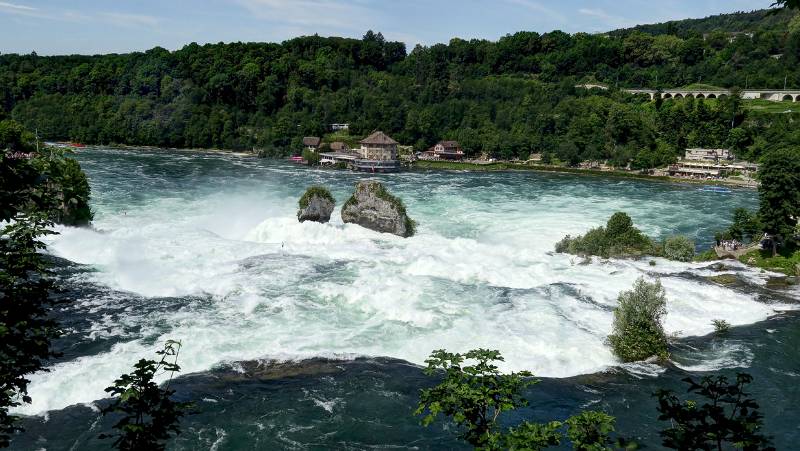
563	96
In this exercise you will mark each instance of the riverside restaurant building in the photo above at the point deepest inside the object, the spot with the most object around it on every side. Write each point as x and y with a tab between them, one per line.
378	153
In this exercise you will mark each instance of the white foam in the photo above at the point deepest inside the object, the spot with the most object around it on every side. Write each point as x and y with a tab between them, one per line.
478	274
730	355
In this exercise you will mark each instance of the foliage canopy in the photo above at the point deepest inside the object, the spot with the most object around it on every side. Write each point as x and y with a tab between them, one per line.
727	415
149	414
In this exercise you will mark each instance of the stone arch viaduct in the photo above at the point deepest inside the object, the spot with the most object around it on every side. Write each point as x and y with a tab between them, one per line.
774	95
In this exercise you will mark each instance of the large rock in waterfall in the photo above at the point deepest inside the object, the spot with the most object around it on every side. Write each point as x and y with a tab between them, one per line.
371	206
316	205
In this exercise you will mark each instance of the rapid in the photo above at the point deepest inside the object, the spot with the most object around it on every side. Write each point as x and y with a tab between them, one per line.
205	248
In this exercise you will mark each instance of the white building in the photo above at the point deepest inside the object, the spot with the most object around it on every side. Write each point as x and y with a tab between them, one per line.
698	154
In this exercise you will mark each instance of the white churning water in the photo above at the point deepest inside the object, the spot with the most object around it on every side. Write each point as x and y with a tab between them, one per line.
214	241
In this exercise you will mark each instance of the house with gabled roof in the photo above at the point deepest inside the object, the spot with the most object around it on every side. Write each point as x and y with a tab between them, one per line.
378	146
312	143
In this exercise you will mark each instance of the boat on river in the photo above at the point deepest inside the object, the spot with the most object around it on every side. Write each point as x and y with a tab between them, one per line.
716	189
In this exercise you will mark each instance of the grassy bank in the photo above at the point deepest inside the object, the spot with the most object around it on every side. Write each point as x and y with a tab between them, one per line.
787	261
505	166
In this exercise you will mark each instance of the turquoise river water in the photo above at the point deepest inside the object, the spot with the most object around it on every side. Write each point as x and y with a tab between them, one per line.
310	336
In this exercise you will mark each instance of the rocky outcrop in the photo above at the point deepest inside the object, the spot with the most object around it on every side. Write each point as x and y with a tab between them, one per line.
316	205
371	206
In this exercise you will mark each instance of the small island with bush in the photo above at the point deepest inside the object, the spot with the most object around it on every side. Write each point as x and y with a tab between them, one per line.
620	239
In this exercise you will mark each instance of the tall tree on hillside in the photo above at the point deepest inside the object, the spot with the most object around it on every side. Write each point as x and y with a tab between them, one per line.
780	194
794	4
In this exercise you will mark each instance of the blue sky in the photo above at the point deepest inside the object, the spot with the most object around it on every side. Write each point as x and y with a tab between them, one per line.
102	26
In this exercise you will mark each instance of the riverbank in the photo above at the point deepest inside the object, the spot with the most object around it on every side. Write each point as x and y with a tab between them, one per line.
787	261
507	166
241	153
499	166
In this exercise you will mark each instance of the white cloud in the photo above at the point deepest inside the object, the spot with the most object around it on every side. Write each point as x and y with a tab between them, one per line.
540	8
607	19
595	13
130	20
15	7
19	10
311	13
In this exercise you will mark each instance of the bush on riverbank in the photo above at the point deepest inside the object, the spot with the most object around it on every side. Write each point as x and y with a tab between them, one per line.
40	180
679	248
637	332
313	158
619	238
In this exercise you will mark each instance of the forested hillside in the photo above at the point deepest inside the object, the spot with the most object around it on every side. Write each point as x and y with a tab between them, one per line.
507	98
743	21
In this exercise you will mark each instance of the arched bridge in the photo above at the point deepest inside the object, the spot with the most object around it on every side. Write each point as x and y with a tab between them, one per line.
774	95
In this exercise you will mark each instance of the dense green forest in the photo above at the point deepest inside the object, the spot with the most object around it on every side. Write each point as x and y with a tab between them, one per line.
507	98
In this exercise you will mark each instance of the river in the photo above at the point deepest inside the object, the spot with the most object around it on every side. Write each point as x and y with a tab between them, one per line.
205	248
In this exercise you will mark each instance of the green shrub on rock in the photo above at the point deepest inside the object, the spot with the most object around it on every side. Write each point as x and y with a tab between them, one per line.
316	205
619	238
637	332
721	327
679	248
315	191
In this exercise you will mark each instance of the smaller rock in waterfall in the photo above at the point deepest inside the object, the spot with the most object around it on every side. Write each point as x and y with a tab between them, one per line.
316	205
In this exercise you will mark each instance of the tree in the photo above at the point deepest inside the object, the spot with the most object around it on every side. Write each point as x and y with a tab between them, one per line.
637	332
779	194
149	414
475	396
472	395
312	158
728	416
33	180
619	224
528	436
591	431
746	225
17	174
26	328
793	4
